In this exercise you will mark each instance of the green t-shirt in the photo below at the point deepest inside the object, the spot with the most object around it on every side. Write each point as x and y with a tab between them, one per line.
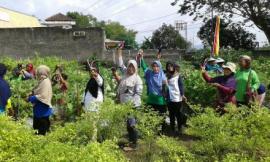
242	79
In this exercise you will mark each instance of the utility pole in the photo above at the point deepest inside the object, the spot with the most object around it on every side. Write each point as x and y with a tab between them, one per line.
180	26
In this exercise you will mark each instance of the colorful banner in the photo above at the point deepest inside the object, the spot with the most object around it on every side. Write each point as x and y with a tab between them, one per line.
216	38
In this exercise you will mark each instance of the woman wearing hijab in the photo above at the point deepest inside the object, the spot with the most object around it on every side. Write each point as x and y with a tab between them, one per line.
225	84
41	99
130	89
247	81
94	91
175	96
94	96
5	92
156	83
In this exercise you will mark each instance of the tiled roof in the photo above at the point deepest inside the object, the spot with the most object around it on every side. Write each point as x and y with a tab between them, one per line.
59	17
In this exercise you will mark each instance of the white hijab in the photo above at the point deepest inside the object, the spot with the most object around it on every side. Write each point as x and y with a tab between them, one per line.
129	81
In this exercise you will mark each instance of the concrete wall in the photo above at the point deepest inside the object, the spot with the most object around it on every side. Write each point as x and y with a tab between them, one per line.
257	53
149	55
26	42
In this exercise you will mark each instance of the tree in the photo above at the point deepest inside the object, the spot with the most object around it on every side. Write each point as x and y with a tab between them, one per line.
84	21
147	44
116	31
113	30
256	11
231	35
166	37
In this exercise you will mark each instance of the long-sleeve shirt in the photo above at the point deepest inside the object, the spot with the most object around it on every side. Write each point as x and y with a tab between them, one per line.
40	109
5	94
226	88
175	89
242	80
91	103
130	87
154	90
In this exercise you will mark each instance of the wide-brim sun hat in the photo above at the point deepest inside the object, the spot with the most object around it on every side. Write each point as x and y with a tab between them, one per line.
220	60
211	59
230	66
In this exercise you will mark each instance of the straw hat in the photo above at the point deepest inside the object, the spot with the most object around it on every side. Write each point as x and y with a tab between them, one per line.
230	66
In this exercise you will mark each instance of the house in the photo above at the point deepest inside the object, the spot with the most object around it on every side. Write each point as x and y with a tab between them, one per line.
109	44
14	19
59	20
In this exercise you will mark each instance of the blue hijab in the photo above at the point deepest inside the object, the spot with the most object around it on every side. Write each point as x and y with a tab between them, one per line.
5	92
154	80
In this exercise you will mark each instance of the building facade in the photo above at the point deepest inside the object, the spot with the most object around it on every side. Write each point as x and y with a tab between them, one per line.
14	19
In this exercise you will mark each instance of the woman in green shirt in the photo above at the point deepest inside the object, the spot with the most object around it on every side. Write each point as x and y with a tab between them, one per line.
156	82
242	78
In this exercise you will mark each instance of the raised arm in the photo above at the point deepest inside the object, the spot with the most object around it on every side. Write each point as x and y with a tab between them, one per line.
120	59
144	65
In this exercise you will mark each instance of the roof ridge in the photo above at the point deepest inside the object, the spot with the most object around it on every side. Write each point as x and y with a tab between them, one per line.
18	12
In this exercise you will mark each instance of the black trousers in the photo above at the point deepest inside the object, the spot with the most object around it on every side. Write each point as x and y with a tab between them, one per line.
239	104
161	109
132	131
175	113
42	125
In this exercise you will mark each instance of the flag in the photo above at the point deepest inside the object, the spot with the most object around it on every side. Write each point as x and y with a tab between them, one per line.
216	38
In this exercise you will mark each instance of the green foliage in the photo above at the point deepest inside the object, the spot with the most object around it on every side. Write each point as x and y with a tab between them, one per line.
228	9
116	31
18	143
84	21
232	35
172	150
240	134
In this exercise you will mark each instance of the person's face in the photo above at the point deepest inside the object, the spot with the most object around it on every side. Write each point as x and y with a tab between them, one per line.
242	63
227	72
155	68
221	63
93	73
131	69
212	62
28	68
170	68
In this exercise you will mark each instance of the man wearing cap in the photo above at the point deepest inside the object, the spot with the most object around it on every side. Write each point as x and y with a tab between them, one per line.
225	84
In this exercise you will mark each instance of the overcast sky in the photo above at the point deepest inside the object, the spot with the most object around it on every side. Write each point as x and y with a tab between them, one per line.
127	12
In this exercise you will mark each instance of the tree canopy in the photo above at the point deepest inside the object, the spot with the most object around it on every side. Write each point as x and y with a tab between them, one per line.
232	35
166	37
84	21
116	31
257	11
113	30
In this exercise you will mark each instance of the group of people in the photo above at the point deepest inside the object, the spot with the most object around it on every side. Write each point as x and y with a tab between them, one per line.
165	88
239	87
